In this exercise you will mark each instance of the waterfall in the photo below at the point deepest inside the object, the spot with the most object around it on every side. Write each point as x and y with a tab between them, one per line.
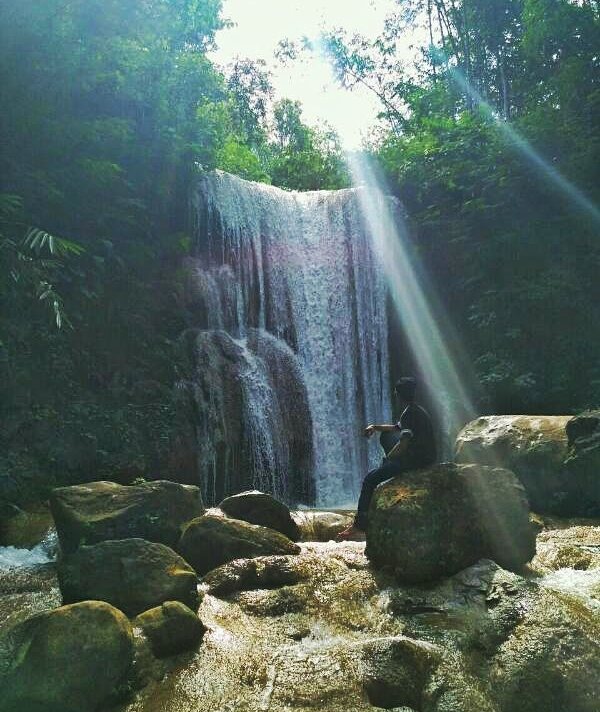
296	270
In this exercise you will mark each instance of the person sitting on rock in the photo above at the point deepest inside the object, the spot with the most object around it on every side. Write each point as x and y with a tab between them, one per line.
409	445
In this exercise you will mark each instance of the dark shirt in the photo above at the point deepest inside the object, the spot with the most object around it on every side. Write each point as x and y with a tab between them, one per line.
421	447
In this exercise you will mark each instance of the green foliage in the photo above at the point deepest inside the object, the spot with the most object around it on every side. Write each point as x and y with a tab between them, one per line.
304	158
515	258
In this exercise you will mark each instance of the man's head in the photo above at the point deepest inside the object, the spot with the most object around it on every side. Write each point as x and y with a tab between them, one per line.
405	389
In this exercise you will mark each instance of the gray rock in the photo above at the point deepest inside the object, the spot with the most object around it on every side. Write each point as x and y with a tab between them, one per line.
171	628
71	659
131	574
98	511
262	509
209	541
397	671
321	526
555	457
551	662
431	523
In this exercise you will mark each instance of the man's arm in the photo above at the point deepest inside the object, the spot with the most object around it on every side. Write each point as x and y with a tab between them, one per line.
370	429
401	446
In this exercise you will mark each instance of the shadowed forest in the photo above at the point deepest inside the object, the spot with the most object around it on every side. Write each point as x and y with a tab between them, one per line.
110	110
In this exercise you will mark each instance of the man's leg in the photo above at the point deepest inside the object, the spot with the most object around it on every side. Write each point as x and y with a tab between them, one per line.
389	469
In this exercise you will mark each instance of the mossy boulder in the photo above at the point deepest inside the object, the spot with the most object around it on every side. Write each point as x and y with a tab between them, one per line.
171	628
536	449
99	511
71	659
551	661
131	574
397	671
209	541
431	523
262	509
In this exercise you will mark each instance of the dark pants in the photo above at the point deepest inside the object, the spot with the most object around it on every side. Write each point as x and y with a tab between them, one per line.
387	470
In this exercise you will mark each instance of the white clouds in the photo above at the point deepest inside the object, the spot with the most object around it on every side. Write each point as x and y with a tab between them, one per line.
261	24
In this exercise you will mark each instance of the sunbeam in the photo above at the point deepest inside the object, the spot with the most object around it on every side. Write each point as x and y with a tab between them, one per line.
522	146
418	309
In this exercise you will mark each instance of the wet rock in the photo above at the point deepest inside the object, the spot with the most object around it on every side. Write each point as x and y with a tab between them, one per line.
238	396
555	457
321	526
131	574
582	466
72	659
209	541
473	611
575	547
98	511
398	670
431	523
262	509
248	574
551	662
26	529
171	628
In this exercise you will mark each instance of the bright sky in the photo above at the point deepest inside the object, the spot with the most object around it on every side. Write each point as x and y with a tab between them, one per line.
261	24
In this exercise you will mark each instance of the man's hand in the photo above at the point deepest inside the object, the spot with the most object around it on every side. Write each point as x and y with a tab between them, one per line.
369	430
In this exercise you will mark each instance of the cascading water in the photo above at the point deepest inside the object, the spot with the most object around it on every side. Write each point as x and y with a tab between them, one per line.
298	270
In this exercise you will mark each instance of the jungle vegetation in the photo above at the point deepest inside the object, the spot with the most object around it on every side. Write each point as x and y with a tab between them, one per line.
109	111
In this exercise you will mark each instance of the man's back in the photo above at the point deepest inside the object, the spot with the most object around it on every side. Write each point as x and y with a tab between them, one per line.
421	448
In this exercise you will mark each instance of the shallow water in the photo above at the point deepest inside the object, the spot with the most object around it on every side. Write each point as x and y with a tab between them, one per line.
12	557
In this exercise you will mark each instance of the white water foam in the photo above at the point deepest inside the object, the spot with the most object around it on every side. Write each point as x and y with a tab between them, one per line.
584	585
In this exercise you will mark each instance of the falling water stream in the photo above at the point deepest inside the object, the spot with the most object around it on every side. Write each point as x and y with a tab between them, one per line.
300	267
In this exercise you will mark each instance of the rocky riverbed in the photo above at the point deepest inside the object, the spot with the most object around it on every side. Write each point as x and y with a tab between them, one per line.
323	630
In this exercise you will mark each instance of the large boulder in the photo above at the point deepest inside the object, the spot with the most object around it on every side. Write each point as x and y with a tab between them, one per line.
171	628
209	541
94	512
131	574
431	523
71	659
557	458
551	661
262	509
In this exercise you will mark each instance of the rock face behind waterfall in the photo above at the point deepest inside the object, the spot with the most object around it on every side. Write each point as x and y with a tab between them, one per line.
251	416
290	303
557	458
432	523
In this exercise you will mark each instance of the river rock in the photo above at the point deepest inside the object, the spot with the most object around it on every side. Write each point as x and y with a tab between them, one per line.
71	659
535	448
262	509
321	526
94	512
397	671
209	541
171	628
582	466
131	574
431	523
551	661
574	547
